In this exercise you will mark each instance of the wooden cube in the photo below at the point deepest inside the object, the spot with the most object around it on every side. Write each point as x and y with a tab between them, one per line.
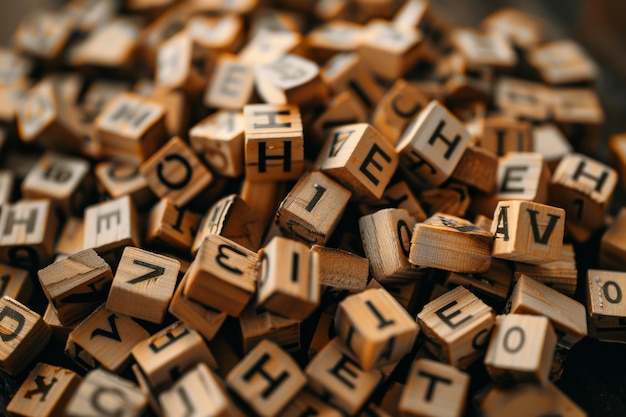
521	349
306	402
477	168
143	285
579	113
6	185
360	158
222	276
527	232
104	339
605	304
24	335
486	49
171	352
457	326
111	225
386	237
27	232
375	327
175	67
431	146
76	285
583	187
334	375
451	243
258	326
45	392
221	33
219	140
288	282
523	29
434	389
341	270
15	283
231	85
502	135
267	45
563	62
332	37
312	209
101	391
523	99
267	378
175	172
344	108
199	390
172	226
274	149
118	179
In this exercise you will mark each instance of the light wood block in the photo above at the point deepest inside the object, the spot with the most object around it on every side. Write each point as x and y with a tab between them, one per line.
172	226
523	99
223	275
175	67
551	143
6	185
477	168
198	393
232	84
27	232
104	339
117	179
567	315
76	285
524	30
171	352
457	325
219	140
375	328
398	196
561	275
111	225
335	376
386	237
45	392
527	232
258	326
397	108
332	37
72	237
312	209
434	389
341	270
168	23
288	281
143	285
24	335
563	62
577	105
221	33
583	187
267	45
267	379
451	243
131	127
104	392
432	145
521	349
483	49
344	108
360	158
502	135
44	34
232	218
605	305
15	283
306	403
274	147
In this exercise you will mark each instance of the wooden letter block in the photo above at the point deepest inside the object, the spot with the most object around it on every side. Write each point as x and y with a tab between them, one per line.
375	328
334	375
344	108
267	45
606	305
527	232
175	172
274	149
486	49
172	226
223	33
432	145
111	225
62	179
104	393
521	349
131	127
198	393
267	378
45	392
222	276
503	135
552	144
43	34
342	270
143	285
523	99
15	283
524	30
477	168
583	187
567	315
231	85
23	335
386	237
27	232
219	140
312	209
332	37
306	403
563	62
288	281
118	179
434	389
76	285
104	339
175	69
359	157
171	352
457	326
451	243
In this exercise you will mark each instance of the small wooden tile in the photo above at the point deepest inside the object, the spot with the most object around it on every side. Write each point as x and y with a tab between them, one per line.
502	135
118	179
521	349
267	379
477	168
341	270
76	285
231	85
168	23
457	326
523	99
111	225
175	69
43	34
268	45
15	283
434	388
172	226
220	33
524	30
45	392
483	49
605	303
563	62
332	37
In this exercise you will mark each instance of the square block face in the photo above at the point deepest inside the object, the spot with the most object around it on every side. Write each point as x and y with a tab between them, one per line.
267	378
143	285
502	135
605	294
523	99
432	145
172	226
174	68
527	232
562	62
359	157
232	84
111	225
483	49
522	176
312	209
118	179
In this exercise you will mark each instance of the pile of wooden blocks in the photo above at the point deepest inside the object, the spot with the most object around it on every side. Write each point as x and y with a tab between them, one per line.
303	208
